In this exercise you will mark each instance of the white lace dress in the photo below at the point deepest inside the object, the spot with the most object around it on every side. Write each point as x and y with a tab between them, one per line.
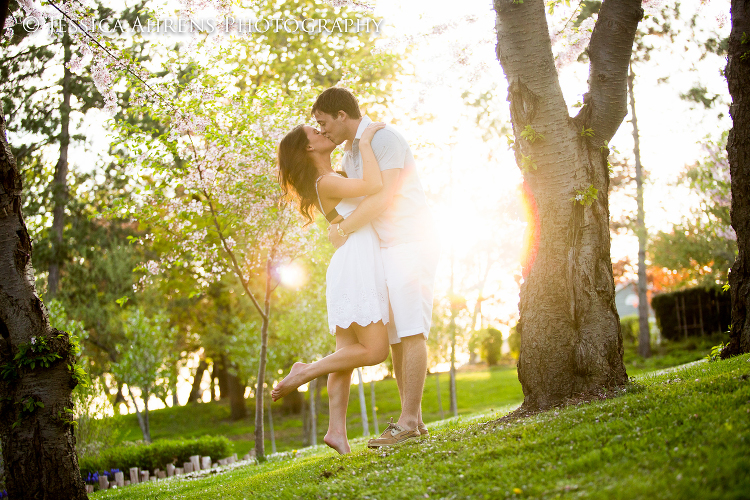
355	280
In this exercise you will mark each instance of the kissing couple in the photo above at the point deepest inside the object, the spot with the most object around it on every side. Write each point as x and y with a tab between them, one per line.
379	283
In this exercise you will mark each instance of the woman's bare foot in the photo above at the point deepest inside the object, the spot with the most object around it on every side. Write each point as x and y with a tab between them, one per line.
290	382
338	442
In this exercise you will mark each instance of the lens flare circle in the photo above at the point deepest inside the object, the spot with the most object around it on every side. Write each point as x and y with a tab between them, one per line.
293	275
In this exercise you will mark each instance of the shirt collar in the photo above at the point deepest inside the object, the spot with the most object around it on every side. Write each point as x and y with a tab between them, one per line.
362	126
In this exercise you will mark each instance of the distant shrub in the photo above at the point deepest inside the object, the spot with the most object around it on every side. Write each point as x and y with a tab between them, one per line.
629	328
156	455
514	341
492	343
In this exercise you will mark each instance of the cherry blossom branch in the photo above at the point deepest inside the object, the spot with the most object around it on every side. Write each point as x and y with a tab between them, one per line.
113	58
224	242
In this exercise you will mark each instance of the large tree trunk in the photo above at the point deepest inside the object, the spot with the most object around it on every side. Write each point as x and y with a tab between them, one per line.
738	150
571	341
60	181
38	445
644	335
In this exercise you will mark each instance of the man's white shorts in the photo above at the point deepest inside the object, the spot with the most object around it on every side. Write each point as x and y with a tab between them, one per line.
410	275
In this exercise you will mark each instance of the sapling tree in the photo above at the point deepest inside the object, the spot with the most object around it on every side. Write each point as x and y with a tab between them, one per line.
141	362
216	200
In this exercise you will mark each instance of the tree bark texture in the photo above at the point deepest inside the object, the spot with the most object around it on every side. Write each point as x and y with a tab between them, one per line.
644	335
738	151
38	445
571	341
60	180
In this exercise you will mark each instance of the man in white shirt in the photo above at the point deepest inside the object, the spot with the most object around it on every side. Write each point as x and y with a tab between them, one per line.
409	245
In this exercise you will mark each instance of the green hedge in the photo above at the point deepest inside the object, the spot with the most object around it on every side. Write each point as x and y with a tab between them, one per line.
630	328
157	455
710	306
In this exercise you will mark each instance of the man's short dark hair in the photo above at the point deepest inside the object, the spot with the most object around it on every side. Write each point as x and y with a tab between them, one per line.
335	99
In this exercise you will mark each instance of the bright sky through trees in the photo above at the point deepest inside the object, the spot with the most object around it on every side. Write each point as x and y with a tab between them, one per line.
483	173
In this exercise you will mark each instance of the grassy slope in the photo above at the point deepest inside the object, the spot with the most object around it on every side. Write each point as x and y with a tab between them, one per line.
477	391
671	353
682	434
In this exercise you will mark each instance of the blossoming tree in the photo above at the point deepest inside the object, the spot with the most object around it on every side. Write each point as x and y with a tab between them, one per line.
214	196
141	363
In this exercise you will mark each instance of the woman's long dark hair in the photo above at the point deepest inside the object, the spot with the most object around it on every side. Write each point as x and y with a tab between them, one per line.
297	173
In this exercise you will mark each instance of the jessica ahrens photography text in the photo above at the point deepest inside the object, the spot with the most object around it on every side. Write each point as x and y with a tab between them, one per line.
209	26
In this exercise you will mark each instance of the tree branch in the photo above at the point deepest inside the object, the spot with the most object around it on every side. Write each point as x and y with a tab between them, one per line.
605	105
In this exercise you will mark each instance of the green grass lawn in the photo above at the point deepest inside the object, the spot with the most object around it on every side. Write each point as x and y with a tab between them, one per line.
681	434
671	353
477	391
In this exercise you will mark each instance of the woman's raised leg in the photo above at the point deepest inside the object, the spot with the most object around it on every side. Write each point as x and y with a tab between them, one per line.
370	349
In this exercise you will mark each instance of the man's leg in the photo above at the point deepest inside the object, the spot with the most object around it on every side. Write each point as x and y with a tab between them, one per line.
413	357
397	355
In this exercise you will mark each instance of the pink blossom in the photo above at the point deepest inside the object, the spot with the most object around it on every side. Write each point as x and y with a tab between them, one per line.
721	18
9	23
578	41
727	233
32	10
152	267
652	6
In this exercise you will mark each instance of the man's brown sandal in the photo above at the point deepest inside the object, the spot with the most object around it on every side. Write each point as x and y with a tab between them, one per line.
422	429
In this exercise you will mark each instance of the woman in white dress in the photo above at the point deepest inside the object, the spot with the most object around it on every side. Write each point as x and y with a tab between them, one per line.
356	293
